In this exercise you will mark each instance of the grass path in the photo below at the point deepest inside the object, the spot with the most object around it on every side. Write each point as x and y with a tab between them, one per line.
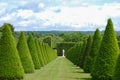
59	69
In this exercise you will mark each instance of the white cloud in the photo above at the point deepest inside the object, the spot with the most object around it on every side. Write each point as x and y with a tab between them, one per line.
71	16
26	23
77	17
3	4
112	10
6	18
41	5
3	7
25	14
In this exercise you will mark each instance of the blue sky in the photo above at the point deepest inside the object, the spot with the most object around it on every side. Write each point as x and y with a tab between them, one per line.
66	15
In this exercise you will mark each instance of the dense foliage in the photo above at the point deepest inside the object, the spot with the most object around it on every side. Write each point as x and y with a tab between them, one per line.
25	57
86	51
108	53
96	57
10	26
48	40
65	46
73	36
33	51
73	53
82	52
24	54
93	52
51	53
116	75
39	53
10	64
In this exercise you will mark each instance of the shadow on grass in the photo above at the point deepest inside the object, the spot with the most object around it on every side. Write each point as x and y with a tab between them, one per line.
83	78
77	71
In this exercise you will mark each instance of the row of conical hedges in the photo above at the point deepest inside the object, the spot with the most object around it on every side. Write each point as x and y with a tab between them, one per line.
99	55
23	57
95	45
24	54
74	52
104	65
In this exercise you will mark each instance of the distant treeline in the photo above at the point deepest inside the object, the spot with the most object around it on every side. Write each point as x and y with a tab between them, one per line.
59	32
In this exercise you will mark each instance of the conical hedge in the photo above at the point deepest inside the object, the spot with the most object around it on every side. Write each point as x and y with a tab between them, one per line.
24	54
93	52
39	53
45	53
86	52
108	53
116	75
10	64
42	53
33	51
82	52
74	52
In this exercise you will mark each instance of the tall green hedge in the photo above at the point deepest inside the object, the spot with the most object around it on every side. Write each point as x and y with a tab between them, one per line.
93	52
24	54
119	44
116	75
82	52
86	52
73	53
39	53
10	64
47	53
48	40
33	51
108	53
42	53
51	53
65	46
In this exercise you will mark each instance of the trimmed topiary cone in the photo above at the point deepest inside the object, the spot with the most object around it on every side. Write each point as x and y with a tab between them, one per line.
10	64
33	51
93	52
108	53
86	52
81	53
24	54
39	53
116	75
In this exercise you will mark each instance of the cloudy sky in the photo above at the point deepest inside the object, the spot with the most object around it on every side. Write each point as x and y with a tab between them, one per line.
77	15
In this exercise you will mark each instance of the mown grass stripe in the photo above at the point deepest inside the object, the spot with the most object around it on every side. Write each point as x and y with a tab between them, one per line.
59	69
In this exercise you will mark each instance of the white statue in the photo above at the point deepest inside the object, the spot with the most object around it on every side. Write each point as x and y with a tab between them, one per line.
63	53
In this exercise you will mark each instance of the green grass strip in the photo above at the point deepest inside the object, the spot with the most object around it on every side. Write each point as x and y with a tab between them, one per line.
59	69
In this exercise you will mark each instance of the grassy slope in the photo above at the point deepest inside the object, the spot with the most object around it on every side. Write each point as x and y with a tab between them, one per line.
59	69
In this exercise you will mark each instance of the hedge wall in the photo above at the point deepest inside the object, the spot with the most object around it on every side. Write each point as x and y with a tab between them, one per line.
73	54
65	46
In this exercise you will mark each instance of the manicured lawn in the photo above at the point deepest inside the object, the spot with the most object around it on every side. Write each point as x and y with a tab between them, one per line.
59	69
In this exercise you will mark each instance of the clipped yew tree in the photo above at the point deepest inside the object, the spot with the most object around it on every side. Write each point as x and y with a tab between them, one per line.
10	64
48	40
74	52
93	52
82	52
39	53
44	61
86	51
24	54
108	53
33	51
116	75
